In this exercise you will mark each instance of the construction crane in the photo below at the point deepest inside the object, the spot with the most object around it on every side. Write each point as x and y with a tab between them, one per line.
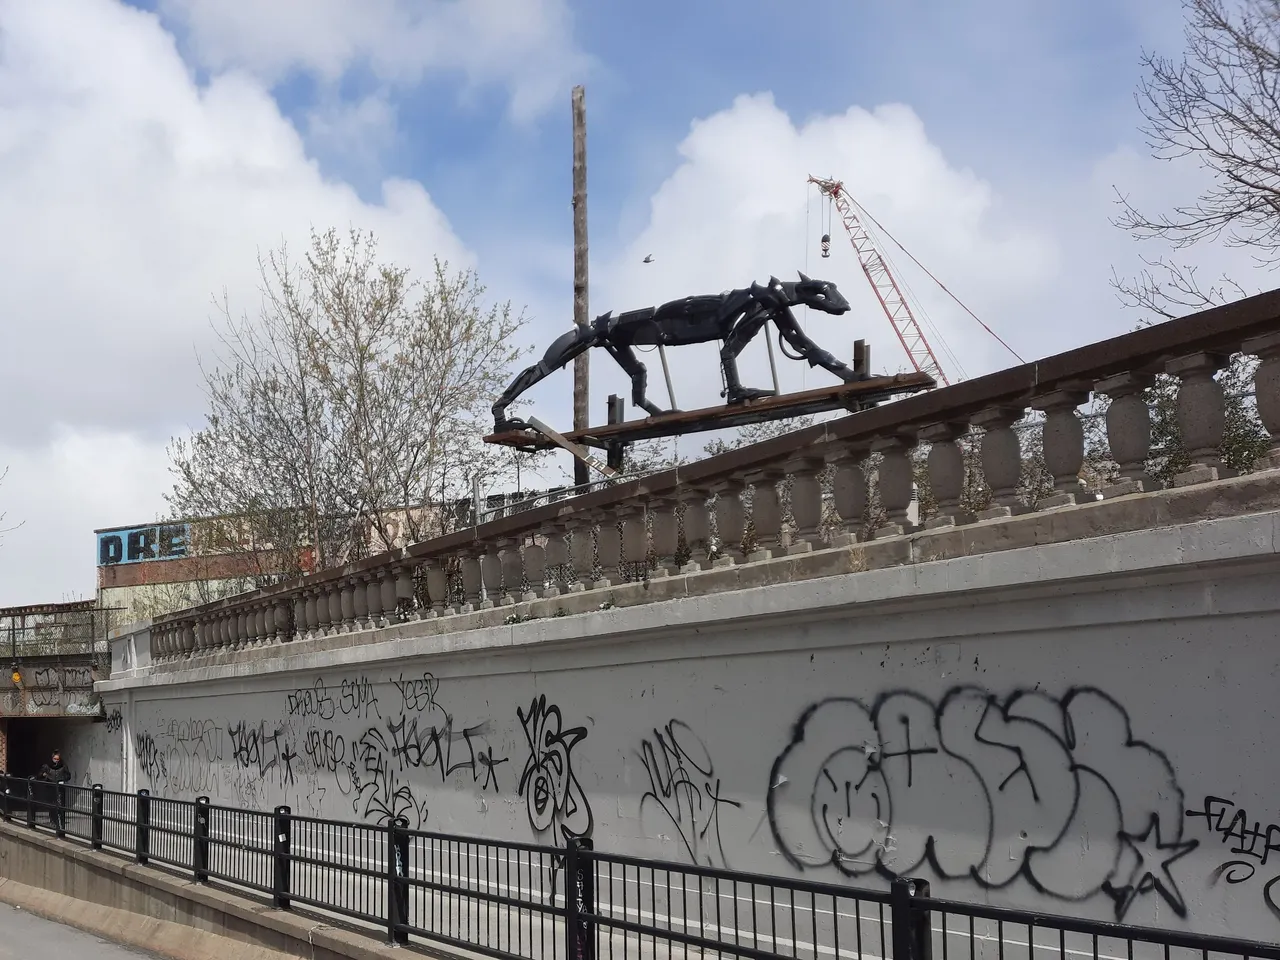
890	295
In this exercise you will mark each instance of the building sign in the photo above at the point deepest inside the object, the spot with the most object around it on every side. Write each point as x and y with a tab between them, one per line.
162	542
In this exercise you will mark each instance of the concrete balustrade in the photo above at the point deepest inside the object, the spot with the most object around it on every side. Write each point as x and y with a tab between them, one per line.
832	487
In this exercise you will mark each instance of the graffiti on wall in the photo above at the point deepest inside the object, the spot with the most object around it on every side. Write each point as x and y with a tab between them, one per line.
385	771
684	791
985	788
1249	845
558	807
167	541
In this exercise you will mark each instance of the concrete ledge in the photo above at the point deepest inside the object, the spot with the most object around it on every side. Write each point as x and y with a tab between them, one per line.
155	910
1227	520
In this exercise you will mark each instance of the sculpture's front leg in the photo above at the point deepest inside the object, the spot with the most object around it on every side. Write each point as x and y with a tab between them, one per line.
735	341
810	351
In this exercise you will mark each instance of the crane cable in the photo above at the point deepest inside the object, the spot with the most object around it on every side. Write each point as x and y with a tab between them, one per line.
930	275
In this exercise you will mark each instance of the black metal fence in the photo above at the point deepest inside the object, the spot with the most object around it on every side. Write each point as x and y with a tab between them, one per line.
526	902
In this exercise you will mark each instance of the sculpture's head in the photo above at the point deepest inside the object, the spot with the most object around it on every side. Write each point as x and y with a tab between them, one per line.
820	295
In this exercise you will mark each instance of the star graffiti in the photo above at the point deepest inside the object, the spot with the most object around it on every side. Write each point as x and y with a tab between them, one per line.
1151	858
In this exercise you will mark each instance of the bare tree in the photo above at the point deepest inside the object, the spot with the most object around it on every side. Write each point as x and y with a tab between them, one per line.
344	415
1219	106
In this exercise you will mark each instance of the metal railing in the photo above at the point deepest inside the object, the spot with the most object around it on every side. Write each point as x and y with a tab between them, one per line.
508	900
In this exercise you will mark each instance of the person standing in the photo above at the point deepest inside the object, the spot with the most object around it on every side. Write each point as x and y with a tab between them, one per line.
56	773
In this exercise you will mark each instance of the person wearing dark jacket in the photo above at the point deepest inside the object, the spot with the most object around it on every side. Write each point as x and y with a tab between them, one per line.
55	773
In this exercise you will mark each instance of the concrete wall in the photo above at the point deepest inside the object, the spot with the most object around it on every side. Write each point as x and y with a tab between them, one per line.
1081	728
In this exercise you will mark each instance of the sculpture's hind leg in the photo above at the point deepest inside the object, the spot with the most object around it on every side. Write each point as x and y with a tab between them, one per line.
635	369
562	352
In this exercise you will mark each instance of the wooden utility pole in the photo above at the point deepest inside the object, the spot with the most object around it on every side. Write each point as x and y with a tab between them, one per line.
581	303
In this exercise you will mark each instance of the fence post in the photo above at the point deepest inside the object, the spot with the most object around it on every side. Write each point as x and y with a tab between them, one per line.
912	933
200	842
31	803
5	810
579	900
142	832
397	880
96	807
59	809
283	859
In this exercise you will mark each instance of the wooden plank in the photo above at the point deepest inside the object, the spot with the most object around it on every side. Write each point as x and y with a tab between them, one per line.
847	396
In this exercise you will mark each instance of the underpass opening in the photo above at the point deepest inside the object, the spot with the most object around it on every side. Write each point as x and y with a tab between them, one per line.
32	741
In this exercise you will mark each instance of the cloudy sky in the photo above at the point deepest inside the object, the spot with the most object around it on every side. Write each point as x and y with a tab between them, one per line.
148	150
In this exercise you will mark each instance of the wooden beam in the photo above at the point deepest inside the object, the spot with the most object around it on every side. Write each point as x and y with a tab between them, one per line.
842	396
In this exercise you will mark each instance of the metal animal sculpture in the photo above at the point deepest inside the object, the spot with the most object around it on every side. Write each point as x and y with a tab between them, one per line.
734	317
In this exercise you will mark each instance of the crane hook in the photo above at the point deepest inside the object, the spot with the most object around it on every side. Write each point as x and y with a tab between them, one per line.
826	245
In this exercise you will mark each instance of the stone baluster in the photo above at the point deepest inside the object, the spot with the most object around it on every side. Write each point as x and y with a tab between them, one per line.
635	538
333	592
806	503
608	549
730	520
512	564
387	587
307	620
242	629
535	571
372	583
347	603
946	472
1128	432
1266	383
280	611
896	484
582	552
1001	460
259	631
849	492
766	513
1063	444
697	528
472	580
1202	416
557	562
406	601
322	611
360	602
491	574
438	587
228	630
189	638
666	534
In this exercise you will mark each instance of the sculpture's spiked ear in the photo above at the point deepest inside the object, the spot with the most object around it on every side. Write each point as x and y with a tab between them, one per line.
803	278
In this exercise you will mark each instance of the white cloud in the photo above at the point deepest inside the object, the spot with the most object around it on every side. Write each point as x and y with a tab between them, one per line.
129	196
56	495
523	45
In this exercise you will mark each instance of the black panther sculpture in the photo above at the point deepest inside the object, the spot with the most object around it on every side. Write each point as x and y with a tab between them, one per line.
734	317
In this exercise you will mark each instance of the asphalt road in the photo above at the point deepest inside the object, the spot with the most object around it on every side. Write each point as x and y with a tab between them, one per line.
26	936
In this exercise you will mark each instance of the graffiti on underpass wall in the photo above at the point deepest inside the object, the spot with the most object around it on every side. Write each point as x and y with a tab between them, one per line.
685	793
1250	846
1053	792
